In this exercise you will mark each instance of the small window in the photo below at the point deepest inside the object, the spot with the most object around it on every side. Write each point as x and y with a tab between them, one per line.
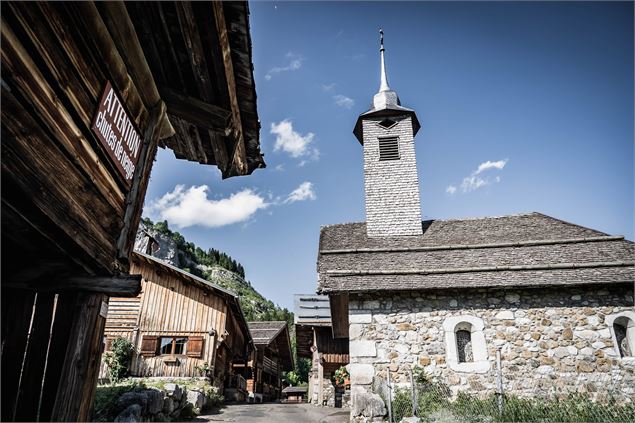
172	346
389	148
464	346
622	327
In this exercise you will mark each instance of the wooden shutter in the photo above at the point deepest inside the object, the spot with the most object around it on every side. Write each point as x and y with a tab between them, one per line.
194	347
149	346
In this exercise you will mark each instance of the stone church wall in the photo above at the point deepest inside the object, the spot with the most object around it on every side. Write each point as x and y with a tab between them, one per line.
547	337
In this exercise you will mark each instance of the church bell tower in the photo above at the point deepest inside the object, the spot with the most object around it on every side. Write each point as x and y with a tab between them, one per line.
391	183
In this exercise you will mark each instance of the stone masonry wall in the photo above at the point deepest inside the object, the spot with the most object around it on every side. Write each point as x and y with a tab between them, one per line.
393	205
547	337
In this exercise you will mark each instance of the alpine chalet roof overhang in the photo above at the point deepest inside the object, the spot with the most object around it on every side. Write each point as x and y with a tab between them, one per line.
528	250
267	333
200	56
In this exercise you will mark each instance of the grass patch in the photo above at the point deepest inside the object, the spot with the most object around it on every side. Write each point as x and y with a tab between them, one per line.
574	408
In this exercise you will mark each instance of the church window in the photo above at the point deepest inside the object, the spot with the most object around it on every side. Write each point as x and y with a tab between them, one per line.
464	346
466	350
389	148
622	328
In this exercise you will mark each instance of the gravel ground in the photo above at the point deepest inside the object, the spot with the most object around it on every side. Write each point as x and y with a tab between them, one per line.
278	413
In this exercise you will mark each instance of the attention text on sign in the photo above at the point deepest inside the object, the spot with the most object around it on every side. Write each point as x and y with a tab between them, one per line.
117	132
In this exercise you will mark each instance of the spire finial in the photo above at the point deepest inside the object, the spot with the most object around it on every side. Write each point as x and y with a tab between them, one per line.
384	79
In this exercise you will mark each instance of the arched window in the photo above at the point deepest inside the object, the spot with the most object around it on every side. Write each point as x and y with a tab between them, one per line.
465	344
622	327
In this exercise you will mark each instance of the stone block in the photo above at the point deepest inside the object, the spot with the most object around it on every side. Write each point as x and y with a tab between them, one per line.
355	331
505	315
132	413
173	390
168	406
360	318
196	398
130	398
361	374
155	401
362	349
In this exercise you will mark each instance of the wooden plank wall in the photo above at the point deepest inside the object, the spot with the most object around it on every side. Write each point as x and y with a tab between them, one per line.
168	306
53	72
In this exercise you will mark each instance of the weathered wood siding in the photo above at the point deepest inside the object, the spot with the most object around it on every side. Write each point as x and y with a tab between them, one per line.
170	306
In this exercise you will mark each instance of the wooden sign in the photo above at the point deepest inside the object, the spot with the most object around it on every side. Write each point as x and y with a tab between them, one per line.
118	133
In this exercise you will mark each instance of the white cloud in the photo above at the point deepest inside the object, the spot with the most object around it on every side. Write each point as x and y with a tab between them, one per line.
343	101
474	181
328	87
295	63
490	165
188	207
301	193
292	142
279	168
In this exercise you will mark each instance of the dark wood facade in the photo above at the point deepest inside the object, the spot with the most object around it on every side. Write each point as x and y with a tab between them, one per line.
175	306
270	359
68	215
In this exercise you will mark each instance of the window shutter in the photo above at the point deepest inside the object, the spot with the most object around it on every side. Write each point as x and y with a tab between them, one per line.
194	347
149	346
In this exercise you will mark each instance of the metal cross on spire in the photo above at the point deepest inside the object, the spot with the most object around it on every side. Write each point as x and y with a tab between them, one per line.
384	79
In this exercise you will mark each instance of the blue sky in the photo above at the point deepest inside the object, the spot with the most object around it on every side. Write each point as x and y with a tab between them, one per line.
525	106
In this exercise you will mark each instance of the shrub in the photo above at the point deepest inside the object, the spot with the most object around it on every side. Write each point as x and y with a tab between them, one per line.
118	359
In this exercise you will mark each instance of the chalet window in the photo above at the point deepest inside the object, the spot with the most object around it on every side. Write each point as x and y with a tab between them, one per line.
465	346
172	346
389	148
622	328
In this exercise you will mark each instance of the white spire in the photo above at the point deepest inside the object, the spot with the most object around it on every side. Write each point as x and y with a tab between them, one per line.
384	79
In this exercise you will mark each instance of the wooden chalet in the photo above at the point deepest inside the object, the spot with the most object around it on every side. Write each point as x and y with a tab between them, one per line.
90	90
314	340
179	322
271	358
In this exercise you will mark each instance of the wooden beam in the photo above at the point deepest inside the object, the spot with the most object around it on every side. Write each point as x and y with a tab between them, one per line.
136	195
238	155
339	314
117	285
197	111
77	381
125	37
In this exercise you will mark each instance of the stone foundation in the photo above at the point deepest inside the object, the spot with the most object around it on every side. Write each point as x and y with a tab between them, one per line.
547	337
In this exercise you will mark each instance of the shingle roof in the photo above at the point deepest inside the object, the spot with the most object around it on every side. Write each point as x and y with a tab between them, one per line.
264	333
520	250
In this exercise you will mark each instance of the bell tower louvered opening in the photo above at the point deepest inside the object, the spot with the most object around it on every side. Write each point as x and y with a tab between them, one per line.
389	148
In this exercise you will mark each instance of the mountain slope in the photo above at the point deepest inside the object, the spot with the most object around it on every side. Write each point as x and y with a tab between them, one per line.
212	265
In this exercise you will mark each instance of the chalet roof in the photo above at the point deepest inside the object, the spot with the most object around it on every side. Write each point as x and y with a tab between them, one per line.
265	334
518	250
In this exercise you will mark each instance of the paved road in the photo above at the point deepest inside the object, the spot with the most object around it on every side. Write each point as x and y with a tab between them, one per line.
277	413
